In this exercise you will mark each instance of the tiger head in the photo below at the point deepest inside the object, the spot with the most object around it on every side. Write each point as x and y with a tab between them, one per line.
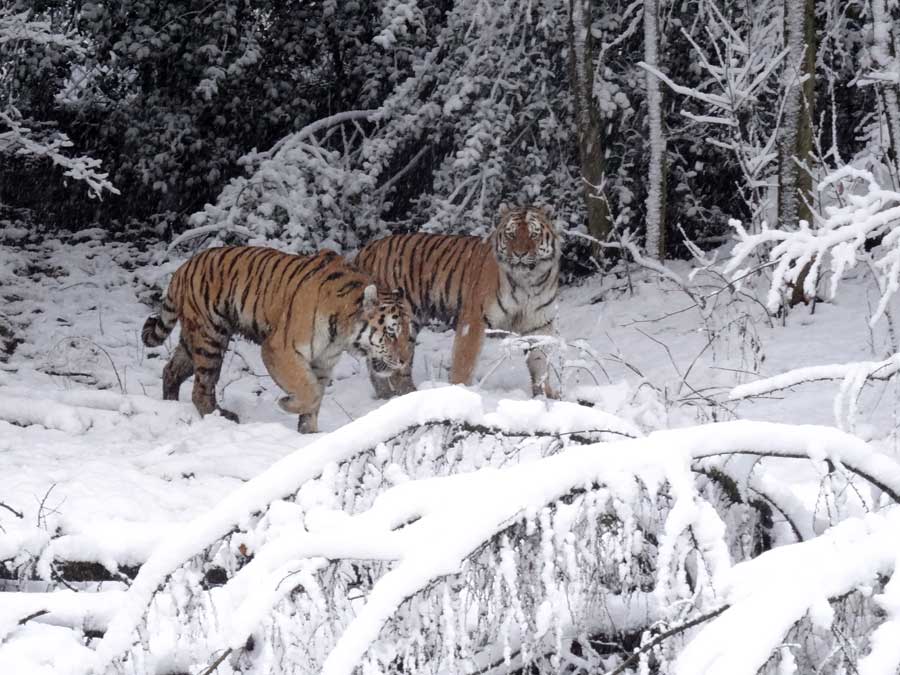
525	241
387	335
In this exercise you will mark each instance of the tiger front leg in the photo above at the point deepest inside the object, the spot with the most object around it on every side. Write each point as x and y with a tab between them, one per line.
466	347
293	374
538	367
397	383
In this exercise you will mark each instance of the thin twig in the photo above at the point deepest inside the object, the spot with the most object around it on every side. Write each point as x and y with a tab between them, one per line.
664	636
34	615
40	513
17	514
215	664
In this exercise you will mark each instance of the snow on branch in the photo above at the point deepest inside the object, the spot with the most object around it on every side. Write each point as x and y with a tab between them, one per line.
398	16
715	100
90	611
771	593
21	27
24	138
296	190
735	78
23	141
77	411
839	239
287	476
854	377
504	562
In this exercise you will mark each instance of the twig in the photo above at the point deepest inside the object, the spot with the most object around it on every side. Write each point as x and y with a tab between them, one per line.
34	615
664	636
215	664
343	409
80	283
40	513
17	514
94	344
665	347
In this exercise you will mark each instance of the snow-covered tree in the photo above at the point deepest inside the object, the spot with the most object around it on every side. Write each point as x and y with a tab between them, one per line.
23	140
591	147
882	72
862	213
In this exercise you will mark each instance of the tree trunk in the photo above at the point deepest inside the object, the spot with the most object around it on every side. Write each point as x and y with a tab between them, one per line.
795	146
656	189
587	117
884	56
795	189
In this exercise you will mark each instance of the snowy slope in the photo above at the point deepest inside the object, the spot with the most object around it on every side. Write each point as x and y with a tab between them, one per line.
124	453
101	470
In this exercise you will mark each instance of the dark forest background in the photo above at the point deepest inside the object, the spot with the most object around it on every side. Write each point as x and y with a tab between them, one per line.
195	111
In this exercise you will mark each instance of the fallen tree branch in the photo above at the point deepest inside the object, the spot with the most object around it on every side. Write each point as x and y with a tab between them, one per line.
662	637
33	615
872	370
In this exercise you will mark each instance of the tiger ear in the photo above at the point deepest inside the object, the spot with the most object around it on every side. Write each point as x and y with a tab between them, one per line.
398	294
504	209
370	297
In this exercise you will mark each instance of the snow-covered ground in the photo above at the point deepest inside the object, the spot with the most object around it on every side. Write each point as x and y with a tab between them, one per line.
95	467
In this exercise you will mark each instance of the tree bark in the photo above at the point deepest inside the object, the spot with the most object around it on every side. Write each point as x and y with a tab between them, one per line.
587	117
884	55
795	146
795	188
656	189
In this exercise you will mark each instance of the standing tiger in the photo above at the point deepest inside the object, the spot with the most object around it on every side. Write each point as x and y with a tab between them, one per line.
508	281
303	310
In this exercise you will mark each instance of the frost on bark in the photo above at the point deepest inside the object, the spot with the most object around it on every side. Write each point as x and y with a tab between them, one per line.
656	188
885	39
587	116
796	137
795	146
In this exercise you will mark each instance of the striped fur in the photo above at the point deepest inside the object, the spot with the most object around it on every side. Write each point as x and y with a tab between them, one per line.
508	282
303	310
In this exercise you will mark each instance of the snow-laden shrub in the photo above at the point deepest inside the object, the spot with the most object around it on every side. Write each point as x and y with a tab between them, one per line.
433	536
859	228
300	191
863	215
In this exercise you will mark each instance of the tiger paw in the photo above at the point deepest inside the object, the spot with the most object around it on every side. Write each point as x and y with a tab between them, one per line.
405	386
307	424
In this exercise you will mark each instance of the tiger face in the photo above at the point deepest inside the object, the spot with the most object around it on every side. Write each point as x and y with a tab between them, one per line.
387	337
525	241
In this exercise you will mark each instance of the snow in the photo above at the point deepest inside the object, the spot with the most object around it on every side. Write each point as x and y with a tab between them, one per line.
103	471
776	589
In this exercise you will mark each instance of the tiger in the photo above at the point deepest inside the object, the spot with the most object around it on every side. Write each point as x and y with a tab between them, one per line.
507	281
304	311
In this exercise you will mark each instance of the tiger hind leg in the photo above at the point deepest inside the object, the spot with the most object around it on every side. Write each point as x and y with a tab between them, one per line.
179	368
207	356
304	388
